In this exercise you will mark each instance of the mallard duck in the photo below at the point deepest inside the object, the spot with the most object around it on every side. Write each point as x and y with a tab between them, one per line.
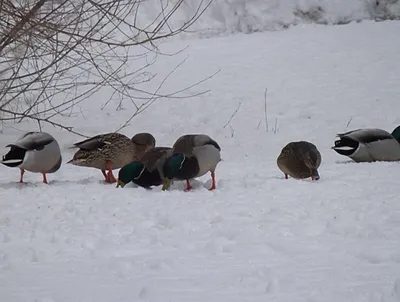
300	160
36	152
193	155
147	171
111	151
369	145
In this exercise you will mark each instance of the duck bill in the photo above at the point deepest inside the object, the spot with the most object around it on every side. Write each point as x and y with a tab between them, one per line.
167	184
120	183
314	174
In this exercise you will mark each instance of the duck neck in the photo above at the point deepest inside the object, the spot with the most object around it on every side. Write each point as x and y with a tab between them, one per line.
139	150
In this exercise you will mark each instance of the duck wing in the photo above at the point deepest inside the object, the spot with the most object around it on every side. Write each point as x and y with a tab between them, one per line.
97	142
202	140
307	152
152	157
366	136
33	141
186	143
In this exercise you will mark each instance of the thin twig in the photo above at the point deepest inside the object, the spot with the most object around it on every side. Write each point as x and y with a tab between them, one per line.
232	131
276	125
349	121
233	115
265	109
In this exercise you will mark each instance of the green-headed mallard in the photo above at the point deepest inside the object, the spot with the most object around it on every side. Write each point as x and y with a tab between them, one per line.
111	151
369	145
36	152
300	160
193	156
147	171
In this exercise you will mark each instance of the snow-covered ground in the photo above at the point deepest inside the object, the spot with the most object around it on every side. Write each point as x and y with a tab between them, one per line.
258	237
232	16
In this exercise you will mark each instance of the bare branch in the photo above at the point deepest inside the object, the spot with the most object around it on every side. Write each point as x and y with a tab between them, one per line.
349	121
58	54
265	109
233	115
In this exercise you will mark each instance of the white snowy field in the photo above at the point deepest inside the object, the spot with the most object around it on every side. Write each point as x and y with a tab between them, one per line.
246	16
258	237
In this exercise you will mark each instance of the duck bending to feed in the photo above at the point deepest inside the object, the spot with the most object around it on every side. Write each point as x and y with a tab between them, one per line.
147	171
300	160
110	151
193	155
369	145
36	152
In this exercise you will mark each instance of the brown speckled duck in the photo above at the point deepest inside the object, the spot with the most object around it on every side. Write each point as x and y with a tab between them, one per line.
111	151
300	160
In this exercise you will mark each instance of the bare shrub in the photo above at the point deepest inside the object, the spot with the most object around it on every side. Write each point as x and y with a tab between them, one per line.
56	54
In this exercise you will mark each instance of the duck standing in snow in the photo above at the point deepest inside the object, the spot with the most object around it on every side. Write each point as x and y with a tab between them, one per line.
300	160
110	151
147	171
193	155
36	152
369	145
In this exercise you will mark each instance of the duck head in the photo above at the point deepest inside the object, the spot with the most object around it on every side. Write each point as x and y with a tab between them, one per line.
130	172
171	167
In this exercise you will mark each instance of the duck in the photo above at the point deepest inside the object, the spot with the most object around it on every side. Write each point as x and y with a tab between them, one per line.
369	145
147	171
300	160
193	155
36	152
110	151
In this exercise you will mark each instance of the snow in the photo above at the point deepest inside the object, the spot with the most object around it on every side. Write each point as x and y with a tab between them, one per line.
258	237
232	16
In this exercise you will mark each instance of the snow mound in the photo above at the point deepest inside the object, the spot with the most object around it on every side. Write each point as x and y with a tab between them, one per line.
247	16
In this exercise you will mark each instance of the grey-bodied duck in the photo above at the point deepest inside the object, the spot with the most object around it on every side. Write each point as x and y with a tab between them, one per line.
369	145
36	152
193	155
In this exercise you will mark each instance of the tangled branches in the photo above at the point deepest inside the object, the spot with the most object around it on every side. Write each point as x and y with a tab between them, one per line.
56	54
